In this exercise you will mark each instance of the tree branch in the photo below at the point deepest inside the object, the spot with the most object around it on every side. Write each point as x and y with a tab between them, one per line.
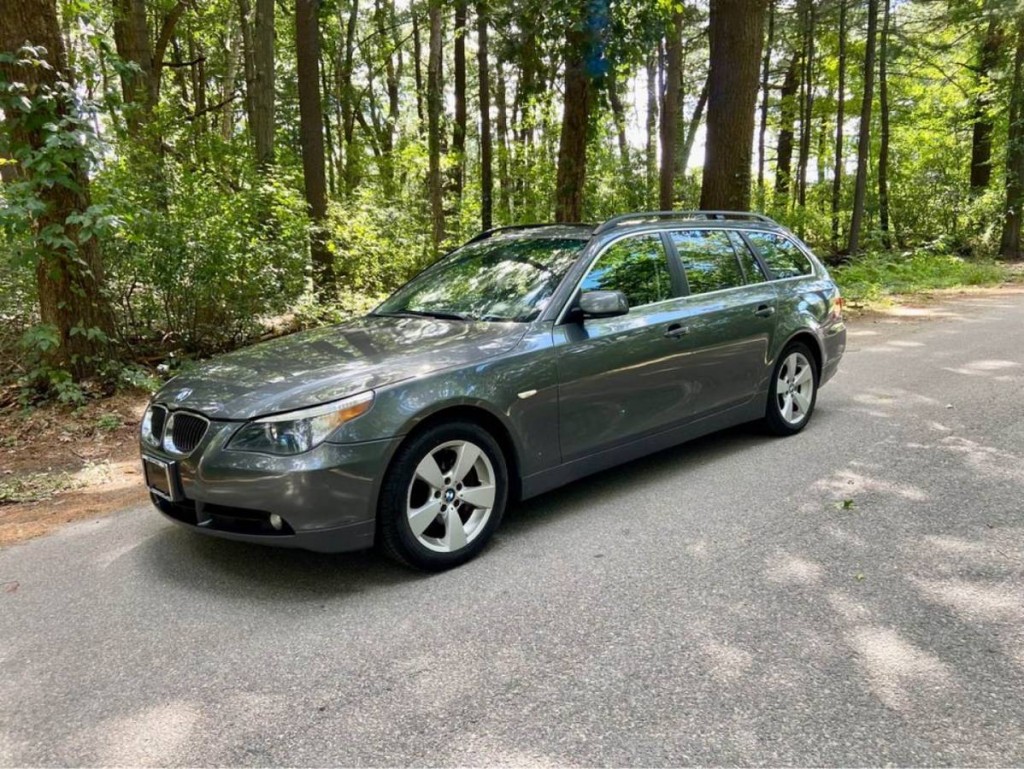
167	29
212	107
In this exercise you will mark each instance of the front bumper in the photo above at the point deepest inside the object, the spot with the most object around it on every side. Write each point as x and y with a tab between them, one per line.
326	498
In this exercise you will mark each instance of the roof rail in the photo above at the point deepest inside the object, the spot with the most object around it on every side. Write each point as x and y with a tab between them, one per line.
640	216
495	230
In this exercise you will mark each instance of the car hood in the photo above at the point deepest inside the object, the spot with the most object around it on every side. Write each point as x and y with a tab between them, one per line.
325	364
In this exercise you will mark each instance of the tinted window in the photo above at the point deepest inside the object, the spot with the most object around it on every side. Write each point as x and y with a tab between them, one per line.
781	255
751	268
708	259
635	266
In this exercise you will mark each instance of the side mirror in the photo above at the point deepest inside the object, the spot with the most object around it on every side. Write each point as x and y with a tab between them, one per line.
603	304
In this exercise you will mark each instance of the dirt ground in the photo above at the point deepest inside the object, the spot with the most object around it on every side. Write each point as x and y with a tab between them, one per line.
59	464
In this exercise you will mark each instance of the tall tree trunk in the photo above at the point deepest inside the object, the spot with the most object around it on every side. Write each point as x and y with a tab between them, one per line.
679	161
332	182
736	33
263	83
670	111
784	148
459	128
694	125
981	139
486	151
140	84
883	110
69	270
384	17
652	122
248	64
434	97
232	50
864	139
350	102
572	148
1010	245
837	177
807	104
504	182
131	37
311	139
619	115
417	70
765	94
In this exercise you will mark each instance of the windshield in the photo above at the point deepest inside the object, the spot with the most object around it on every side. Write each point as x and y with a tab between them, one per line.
504	280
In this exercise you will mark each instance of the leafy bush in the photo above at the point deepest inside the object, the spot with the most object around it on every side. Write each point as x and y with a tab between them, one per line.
200	263
876	275
377	245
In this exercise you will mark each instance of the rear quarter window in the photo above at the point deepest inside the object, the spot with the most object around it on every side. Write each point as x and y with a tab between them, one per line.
782	256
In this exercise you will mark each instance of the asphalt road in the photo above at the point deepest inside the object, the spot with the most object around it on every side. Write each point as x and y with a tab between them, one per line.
853	595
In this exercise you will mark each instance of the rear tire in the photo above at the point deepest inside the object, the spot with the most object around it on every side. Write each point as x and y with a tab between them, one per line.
443	496
793	391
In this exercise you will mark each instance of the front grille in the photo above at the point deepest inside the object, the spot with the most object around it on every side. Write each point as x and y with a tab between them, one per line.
184	432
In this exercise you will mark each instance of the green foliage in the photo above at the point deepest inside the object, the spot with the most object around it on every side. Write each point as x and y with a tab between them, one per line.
377	243
874	276
200	265
69	141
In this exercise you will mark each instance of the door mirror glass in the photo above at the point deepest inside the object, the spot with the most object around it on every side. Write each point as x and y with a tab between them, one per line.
603	304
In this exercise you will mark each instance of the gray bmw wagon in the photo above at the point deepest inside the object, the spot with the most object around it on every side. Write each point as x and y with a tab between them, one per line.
527	358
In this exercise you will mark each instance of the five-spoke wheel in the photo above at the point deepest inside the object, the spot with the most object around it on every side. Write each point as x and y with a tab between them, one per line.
793	391
443	496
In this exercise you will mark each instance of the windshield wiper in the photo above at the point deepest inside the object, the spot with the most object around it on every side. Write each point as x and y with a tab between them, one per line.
440	314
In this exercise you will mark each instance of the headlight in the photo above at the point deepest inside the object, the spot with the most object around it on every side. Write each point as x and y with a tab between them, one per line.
299	431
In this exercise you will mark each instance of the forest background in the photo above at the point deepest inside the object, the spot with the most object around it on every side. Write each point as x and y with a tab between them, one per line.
180	177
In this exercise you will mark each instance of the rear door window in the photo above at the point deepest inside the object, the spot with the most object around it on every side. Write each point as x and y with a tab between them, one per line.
636	266
709	260
752	269
781	254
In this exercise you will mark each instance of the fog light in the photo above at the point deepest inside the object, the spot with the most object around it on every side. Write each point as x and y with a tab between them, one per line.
276	522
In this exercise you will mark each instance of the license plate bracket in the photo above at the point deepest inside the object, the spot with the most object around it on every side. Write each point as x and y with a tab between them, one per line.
161	478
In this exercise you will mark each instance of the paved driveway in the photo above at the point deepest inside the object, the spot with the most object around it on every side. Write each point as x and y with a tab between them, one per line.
854	595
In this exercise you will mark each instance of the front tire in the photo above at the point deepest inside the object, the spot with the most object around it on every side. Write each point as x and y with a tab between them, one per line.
443	496
793	391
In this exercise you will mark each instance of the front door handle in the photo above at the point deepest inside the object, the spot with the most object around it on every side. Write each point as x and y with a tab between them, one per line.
764	311
676	330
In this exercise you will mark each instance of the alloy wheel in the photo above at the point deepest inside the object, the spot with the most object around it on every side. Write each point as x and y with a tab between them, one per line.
794	390
451	496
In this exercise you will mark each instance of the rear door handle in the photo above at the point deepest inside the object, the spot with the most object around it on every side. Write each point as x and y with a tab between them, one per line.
676	330
764	311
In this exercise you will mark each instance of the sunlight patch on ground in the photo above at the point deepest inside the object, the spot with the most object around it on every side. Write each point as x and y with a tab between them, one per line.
899	673
846	484
726	662
150	738
793	570
985	368
976	600
886	396
986	460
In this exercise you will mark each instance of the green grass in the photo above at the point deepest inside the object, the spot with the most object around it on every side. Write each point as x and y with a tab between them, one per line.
873	277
